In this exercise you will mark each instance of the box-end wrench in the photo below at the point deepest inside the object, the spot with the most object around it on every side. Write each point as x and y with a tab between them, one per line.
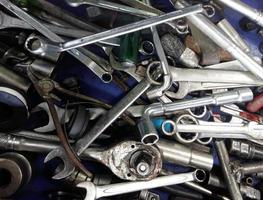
95	192
252	130
129	28
147	129
77	53
215	34
102	124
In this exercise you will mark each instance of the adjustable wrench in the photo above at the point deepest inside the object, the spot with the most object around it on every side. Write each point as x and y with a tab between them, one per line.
102	124
77	53
96	192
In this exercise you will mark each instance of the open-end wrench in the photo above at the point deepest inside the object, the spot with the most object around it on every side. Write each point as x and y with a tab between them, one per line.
129	28
96	192
77	53
102	124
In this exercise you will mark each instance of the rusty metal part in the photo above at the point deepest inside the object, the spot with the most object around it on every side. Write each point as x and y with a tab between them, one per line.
15	172
192	44
44	88
130	160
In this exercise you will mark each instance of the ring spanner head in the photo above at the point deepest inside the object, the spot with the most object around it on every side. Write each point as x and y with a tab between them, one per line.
68	167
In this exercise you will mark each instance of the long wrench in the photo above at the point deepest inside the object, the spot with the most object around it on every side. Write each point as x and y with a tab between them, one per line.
129	28
102	124
78	54
95	192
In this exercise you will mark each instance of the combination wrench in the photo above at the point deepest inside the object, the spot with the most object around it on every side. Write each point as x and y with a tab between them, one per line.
77	53
96	192
129	28
187	129
102	124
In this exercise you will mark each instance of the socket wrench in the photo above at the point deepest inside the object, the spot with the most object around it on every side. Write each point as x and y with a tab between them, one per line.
102	124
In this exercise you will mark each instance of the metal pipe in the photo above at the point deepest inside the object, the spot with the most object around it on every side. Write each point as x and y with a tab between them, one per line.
226	169
182	155
241	7
178	191
147	129
213	32
129	28
11	78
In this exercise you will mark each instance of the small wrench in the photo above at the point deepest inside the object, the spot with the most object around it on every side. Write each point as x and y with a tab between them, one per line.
102	124
96	192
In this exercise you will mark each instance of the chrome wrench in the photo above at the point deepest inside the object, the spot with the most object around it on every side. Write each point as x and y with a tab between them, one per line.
96	192
102	124
77	53
252	130
129	28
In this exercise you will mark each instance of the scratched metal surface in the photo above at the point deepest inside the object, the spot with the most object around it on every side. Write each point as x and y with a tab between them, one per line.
111	93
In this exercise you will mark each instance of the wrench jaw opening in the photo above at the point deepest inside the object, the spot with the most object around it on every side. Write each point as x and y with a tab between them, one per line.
90	190
67	169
